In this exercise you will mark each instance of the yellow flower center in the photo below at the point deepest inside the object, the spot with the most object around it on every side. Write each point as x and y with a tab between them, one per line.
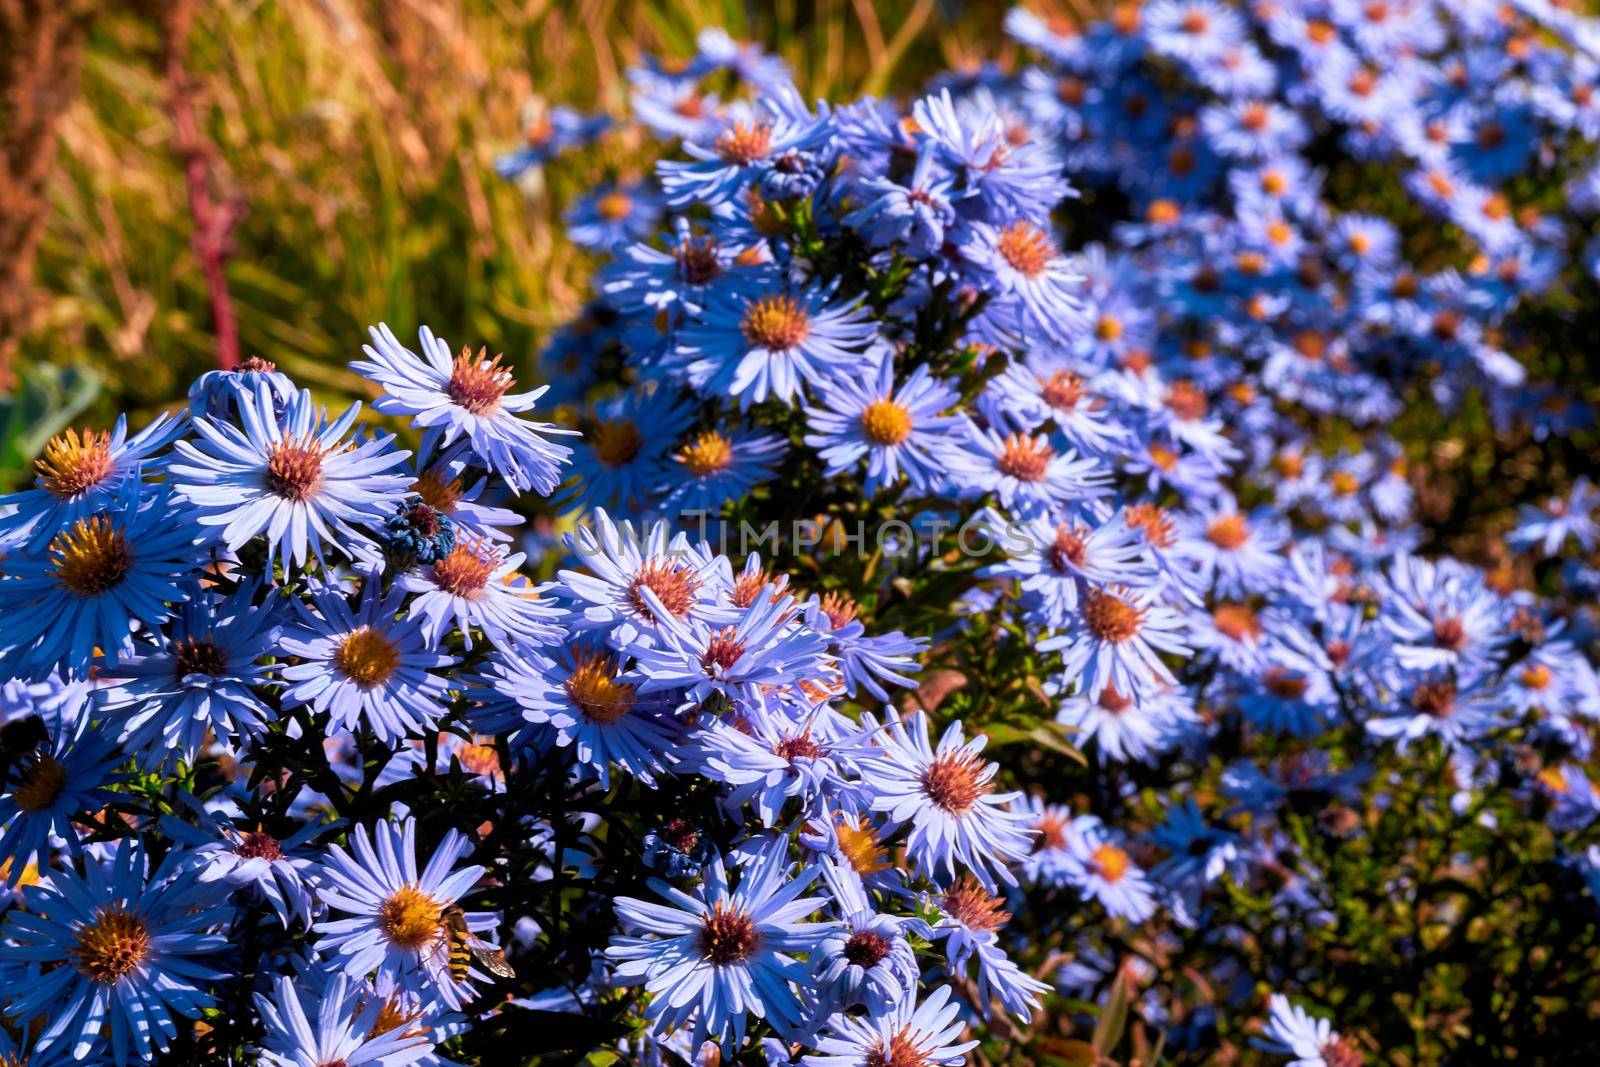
597	693
110	946
91	557
367	657
614	206
708	454
885	422
410	918
464	571
70	463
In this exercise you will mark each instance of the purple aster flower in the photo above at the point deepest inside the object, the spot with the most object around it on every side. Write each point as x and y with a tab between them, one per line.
477	585
85	590
866	662
1120	727
1054	560
107	956
80	475
201	681
348	1029
253	863
760	341
1116	640
469	399
969	923
712	958
1034	293
761	646
714	467
1102	870
216	393
49	786
1312	1042
1003	173
1442	614
550	132
899	429
947	796
361	665
396	920
1192	30
926	1033
605	719
1438	704
291	476
1238	552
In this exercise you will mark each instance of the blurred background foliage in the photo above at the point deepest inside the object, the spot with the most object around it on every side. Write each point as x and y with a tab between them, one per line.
355	139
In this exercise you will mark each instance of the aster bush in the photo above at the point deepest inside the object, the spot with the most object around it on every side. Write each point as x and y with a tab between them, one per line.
964	595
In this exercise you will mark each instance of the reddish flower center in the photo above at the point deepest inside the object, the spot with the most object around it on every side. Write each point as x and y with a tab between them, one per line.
1450	633
745	143
1111	618
1068	550
722	651
954	782
1436	699
1063	390
798	747
294	468
866	948
1286	684
728	936
198	655
972	907
1186	401
256	845
672	583
477	383
698	263
1026	459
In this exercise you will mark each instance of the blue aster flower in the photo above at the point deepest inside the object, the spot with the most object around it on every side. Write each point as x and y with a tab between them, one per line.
711	958
999	178
361	665
395	922
866	662
743	150
107	957
347	1028
48	787
1309	1040
947	796
624	457
292	476
1034	291
716	466
252	862
765	340
551	132
1026	474
476	585
1116	640
759	646
901	430
467	398
604	718
915	214
201	682
613	215
925	1033
85	590
81	475
867	961
216	393
1439	704
1102	870
1120	728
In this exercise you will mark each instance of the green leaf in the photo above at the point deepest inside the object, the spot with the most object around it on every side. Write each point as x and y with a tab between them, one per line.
46	399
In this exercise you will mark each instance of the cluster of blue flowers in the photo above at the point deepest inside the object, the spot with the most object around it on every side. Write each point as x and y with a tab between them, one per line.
297	755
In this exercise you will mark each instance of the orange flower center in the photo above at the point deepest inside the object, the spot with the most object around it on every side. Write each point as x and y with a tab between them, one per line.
775	322
745	143
594	689
709	453
1026	459
1228	532
614	206
436	492
410	918
968	904
112	945
1109	617
670	580
464	571
1026	247
1237	622
1109	862
1063	390
294	468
